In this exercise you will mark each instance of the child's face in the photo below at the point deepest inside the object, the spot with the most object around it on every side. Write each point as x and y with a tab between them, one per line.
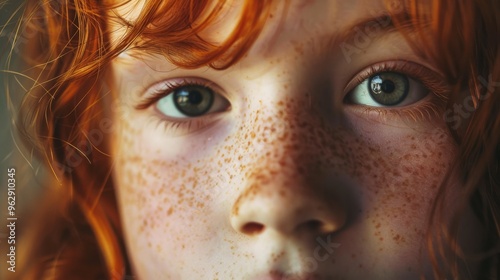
289	166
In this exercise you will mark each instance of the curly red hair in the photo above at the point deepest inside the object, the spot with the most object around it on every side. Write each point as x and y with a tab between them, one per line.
68	60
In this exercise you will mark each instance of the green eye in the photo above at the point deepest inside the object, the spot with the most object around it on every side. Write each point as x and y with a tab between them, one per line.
388	88
193	100
190	101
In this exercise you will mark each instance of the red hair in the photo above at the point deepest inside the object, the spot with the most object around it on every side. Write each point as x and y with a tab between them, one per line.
68	61
462	40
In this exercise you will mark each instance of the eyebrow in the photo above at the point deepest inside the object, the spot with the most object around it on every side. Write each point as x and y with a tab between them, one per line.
359	35
368	28
381	23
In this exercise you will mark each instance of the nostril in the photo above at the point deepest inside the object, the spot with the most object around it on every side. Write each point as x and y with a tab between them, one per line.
252	228
313	225
318	226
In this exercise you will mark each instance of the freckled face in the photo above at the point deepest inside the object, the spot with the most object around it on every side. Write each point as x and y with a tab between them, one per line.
287	176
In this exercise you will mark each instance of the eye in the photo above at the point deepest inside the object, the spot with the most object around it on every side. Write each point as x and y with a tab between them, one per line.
188	101
387	89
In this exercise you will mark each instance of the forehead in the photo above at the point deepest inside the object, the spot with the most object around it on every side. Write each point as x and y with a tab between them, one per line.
289	21
317	22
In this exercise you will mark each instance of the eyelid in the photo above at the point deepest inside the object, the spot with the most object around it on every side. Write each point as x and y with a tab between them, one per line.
360	95
164	88
429	78
181	126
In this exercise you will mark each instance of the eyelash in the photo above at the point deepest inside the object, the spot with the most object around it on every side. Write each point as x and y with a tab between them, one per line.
168	87
429	79
174	125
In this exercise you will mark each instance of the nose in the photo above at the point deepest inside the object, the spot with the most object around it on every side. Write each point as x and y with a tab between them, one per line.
288	209
287	192
291	183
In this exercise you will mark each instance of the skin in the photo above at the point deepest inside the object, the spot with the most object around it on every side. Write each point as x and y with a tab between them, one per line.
256	190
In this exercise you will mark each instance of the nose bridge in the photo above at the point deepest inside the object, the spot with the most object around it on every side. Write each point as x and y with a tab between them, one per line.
283	188
280	203
286	135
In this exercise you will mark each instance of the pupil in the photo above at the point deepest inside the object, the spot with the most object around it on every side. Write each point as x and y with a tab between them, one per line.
195	97
193	100
388	86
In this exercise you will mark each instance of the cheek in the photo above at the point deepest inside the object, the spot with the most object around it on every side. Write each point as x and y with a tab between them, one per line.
406	169
166	202
398	178
176	200
392	174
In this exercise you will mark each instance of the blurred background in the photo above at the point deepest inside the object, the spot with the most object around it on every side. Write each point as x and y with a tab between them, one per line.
12	152
28	170
7	9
